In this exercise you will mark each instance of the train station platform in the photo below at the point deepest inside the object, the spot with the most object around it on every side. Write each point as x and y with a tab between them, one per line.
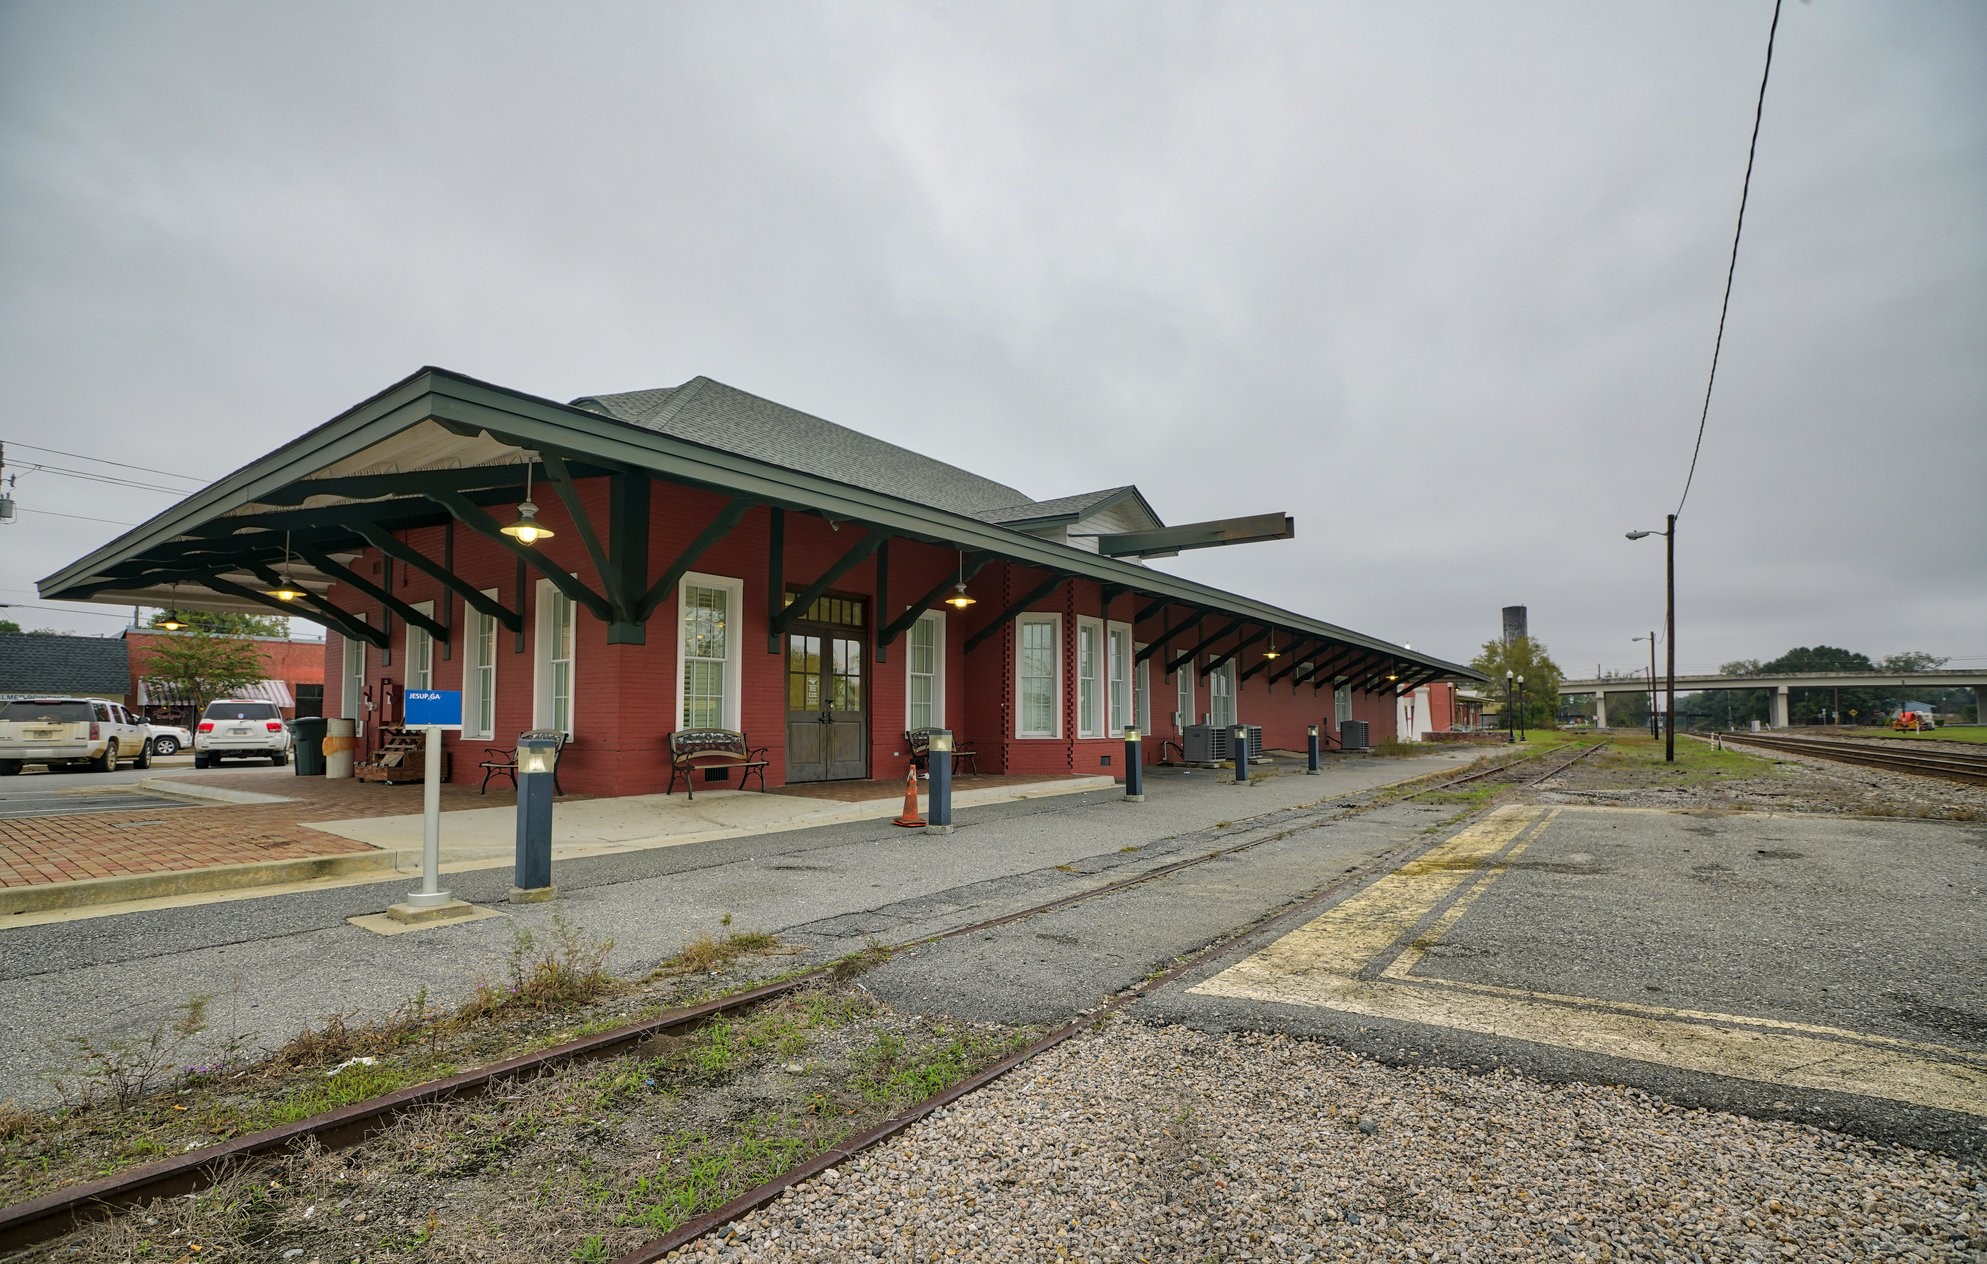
249	831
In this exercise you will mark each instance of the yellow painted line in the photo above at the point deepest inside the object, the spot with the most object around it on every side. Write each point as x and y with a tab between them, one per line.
1317	965
1362	926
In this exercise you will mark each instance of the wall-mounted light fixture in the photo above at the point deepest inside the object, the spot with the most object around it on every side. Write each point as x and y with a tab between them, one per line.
527	530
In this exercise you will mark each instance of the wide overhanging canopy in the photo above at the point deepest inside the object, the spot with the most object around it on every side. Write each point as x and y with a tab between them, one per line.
440	450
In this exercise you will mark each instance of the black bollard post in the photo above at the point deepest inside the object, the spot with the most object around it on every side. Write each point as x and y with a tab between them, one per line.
1238	742
938	771
1311	769
532	878
1134	767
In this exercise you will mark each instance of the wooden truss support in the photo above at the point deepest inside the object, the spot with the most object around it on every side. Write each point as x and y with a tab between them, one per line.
472	516
1233	650
623	564
390	545
720	527
1166	635
1188	657
1026	600
437	628
329	615
1303	652
776	578
858	553
1150	610
974	563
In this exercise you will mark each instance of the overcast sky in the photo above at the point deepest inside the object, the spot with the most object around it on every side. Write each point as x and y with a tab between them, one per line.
1439	280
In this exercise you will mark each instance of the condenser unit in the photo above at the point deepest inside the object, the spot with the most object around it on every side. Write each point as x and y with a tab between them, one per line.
1209	743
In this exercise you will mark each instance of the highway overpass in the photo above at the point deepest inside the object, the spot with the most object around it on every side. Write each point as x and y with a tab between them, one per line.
1900	683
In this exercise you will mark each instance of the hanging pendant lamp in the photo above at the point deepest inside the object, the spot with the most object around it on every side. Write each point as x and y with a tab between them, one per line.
1272	651
172	622
959	599
527	530
286	589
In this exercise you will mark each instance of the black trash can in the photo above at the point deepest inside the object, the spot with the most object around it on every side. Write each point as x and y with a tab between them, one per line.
309	755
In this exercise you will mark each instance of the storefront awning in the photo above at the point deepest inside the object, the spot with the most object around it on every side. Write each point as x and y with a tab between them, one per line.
156	693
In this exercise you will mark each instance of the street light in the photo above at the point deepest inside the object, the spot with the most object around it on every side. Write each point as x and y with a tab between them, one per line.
1651	638
1521	708
1510	715
1669	634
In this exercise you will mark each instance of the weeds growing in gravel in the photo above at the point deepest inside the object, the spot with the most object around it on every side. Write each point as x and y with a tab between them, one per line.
119	1073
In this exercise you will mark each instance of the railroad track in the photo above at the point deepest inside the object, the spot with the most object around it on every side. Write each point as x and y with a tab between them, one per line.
1963	766
49	1216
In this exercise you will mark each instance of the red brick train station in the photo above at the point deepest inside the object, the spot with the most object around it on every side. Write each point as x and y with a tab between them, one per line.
716	560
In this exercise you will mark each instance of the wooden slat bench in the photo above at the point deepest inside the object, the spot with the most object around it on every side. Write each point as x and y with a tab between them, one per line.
919	741
501	761
694	749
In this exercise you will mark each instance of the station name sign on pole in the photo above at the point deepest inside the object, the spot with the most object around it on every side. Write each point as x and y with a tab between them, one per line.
432	710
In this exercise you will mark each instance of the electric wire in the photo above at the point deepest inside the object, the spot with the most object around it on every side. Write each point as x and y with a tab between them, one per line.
110	479
142	469
1732	268
50	513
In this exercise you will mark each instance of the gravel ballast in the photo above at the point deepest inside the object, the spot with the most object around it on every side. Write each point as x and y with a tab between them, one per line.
1164	1143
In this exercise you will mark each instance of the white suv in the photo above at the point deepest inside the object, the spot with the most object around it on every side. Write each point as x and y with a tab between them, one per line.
70	733
240	728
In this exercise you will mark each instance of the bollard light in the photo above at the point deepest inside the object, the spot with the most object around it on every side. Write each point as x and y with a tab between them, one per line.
537	754
1134	765
938	774
1238	743
1311	751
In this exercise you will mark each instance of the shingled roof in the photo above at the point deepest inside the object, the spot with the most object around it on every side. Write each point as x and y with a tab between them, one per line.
709	412
47	663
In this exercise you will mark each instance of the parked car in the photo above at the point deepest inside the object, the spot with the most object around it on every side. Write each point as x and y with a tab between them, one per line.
170	739
240	728
70	733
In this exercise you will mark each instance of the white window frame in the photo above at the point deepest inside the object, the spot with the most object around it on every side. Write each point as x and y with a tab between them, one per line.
1120	704
542	700
1141	688
1090	720
1226	673
1183	683
1055	676
935	621
734	613
352	688
479	675
1341	704
418	645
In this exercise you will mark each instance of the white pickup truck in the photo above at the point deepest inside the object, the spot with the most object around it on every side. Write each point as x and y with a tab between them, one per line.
70	733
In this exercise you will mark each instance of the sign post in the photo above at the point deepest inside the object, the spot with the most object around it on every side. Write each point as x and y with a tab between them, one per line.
432	710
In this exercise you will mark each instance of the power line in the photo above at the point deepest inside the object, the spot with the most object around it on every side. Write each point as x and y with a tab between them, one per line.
113	480
50	513
142	469
1745	191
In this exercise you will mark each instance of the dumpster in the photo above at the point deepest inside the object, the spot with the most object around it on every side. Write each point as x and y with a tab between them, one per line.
310	745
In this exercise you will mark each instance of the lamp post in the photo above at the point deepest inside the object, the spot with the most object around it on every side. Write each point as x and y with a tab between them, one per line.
1510	714
1521	708
1651	638
1669	535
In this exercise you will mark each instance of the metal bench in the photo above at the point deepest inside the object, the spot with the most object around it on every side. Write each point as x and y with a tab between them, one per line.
919	741
694	749
499	761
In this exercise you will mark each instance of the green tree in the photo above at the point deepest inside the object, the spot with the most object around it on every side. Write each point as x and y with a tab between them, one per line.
8	625
202	667
1528	658
229	622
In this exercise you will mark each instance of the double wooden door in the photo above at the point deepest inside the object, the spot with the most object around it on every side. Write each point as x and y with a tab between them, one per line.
827	703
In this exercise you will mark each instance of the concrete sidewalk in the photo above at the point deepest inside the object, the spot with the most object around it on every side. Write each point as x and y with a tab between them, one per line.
267	833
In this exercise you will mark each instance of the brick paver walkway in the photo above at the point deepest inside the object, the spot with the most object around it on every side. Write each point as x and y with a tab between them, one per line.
107	844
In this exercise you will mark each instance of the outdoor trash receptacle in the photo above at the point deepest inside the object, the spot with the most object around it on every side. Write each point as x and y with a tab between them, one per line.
310	746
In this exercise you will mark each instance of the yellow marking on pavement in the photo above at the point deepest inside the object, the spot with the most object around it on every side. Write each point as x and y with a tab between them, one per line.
1319	963
1364	924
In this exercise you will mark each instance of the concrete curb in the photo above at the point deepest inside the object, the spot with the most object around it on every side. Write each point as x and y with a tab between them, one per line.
47	896
214	794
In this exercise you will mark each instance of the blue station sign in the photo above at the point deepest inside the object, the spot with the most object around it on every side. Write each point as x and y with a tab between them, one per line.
433	708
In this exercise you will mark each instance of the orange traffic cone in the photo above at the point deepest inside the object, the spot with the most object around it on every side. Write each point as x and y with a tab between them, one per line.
910	818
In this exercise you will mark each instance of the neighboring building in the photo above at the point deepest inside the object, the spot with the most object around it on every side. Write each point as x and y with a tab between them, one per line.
294	681
1436	707
48	664
719	560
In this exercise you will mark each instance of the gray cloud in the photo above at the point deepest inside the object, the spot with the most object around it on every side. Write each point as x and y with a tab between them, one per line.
1441	280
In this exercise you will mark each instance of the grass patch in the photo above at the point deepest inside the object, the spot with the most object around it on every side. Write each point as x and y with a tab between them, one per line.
1697	763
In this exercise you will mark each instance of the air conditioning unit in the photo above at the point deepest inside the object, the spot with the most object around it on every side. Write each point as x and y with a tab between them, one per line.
1209	743
1353	735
